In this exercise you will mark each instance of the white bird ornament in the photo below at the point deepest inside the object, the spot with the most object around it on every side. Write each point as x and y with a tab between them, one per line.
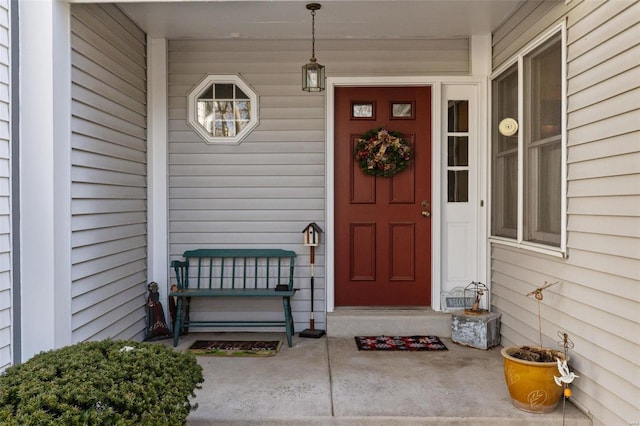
566	376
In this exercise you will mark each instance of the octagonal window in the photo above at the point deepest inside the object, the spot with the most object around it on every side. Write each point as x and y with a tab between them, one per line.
223	109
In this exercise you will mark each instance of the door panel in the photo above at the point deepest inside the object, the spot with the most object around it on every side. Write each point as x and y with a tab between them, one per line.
383	240
402	251
363	253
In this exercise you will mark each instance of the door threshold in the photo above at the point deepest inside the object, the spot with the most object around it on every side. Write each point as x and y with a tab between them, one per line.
383	308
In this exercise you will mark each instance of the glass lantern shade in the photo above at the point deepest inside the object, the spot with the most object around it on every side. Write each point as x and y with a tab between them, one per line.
313	77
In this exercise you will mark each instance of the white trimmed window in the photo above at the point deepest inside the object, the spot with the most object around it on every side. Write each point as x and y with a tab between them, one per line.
528	184
223	109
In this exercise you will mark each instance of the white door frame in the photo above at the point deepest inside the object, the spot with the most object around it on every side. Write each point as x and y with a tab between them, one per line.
436	84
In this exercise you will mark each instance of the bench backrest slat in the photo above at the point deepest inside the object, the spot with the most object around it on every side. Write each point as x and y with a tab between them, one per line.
255	283
221	268
244	273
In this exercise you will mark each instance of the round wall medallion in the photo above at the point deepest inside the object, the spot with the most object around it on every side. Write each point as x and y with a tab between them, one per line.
508	127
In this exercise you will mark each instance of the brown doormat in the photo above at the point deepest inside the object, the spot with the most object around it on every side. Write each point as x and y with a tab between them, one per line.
400	343
235	347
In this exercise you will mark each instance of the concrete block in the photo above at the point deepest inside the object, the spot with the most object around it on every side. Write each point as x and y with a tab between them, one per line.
481	331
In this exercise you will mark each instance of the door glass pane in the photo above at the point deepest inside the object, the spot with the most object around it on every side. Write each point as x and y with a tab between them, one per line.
458	119
401	110
458	150
362	110
458	186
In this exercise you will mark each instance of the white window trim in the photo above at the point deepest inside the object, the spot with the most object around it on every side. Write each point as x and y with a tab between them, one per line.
519	242
199	88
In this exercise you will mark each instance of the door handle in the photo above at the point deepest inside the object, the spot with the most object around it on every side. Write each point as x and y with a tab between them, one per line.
425	208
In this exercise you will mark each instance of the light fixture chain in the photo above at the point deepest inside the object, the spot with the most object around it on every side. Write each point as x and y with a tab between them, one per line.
313	33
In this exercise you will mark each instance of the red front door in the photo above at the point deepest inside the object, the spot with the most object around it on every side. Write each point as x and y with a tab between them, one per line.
382	224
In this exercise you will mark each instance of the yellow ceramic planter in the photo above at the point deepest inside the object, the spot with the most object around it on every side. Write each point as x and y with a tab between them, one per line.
530	383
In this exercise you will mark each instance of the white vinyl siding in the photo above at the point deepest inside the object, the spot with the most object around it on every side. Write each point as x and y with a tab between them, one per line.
266	190
6	290
597	301
108	174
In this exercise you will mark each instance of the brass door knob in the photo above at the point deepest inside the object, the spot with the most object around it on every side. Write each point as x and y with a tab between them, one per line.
425	208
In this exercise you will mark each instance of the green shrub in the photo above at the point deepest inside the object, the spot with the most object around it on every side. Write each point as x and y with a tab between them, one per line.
101	383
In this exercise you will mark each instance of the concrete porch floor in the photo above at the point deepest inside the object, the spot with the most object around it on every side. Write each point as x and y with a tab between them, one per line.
327	381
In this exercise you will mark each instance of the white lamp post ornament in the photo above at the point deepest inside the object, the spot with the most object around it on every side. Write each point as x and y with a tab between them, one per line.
311	235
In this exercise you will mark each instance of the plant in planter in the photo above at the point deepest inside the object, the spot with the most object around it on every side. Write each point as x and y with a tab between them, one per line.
104	382
530	372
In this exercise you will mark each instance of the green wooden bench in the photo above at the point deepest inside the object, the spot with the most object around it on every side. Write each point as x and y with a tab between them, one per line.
215	273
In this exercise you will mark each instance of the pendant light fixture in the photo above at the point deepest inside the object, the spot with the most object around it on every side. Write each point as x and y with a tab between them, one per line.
313	72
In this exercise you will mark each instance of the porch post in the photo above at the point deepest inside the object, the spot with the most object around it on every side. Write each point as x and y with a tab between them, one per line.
157	169
44	169
481	54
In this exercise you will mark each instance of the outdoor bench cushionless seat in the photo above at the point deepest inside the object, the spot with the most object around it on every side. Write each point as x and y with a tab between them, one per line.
258	273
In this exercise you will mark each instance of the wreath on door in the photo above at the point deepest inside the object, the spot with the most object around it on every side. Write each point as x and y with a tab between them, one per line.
382	152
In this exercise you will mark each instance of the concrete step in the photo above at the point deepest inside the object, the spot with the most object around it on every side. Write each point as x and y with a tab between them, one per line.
413	421
351	322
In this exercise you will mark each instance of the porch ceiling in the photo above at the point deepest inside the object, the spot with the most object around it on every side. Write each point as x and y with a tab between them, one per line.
338	19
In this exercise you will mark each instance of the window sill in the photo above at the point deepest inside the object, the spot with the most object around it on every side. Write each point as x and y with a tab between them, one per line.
537	248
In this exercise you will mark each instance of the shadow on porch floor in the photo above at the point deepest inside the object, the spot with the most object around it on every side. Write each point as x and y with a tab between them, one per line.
327	381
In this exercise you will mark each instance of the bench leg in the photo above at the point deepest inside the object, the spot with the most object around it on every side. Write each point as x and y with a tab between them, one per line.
293	325
176	326
187	312
288	318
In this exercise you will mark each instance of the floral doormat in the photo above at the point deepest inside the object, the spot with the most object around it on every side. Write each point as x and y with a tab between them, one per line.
235	347
400	343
